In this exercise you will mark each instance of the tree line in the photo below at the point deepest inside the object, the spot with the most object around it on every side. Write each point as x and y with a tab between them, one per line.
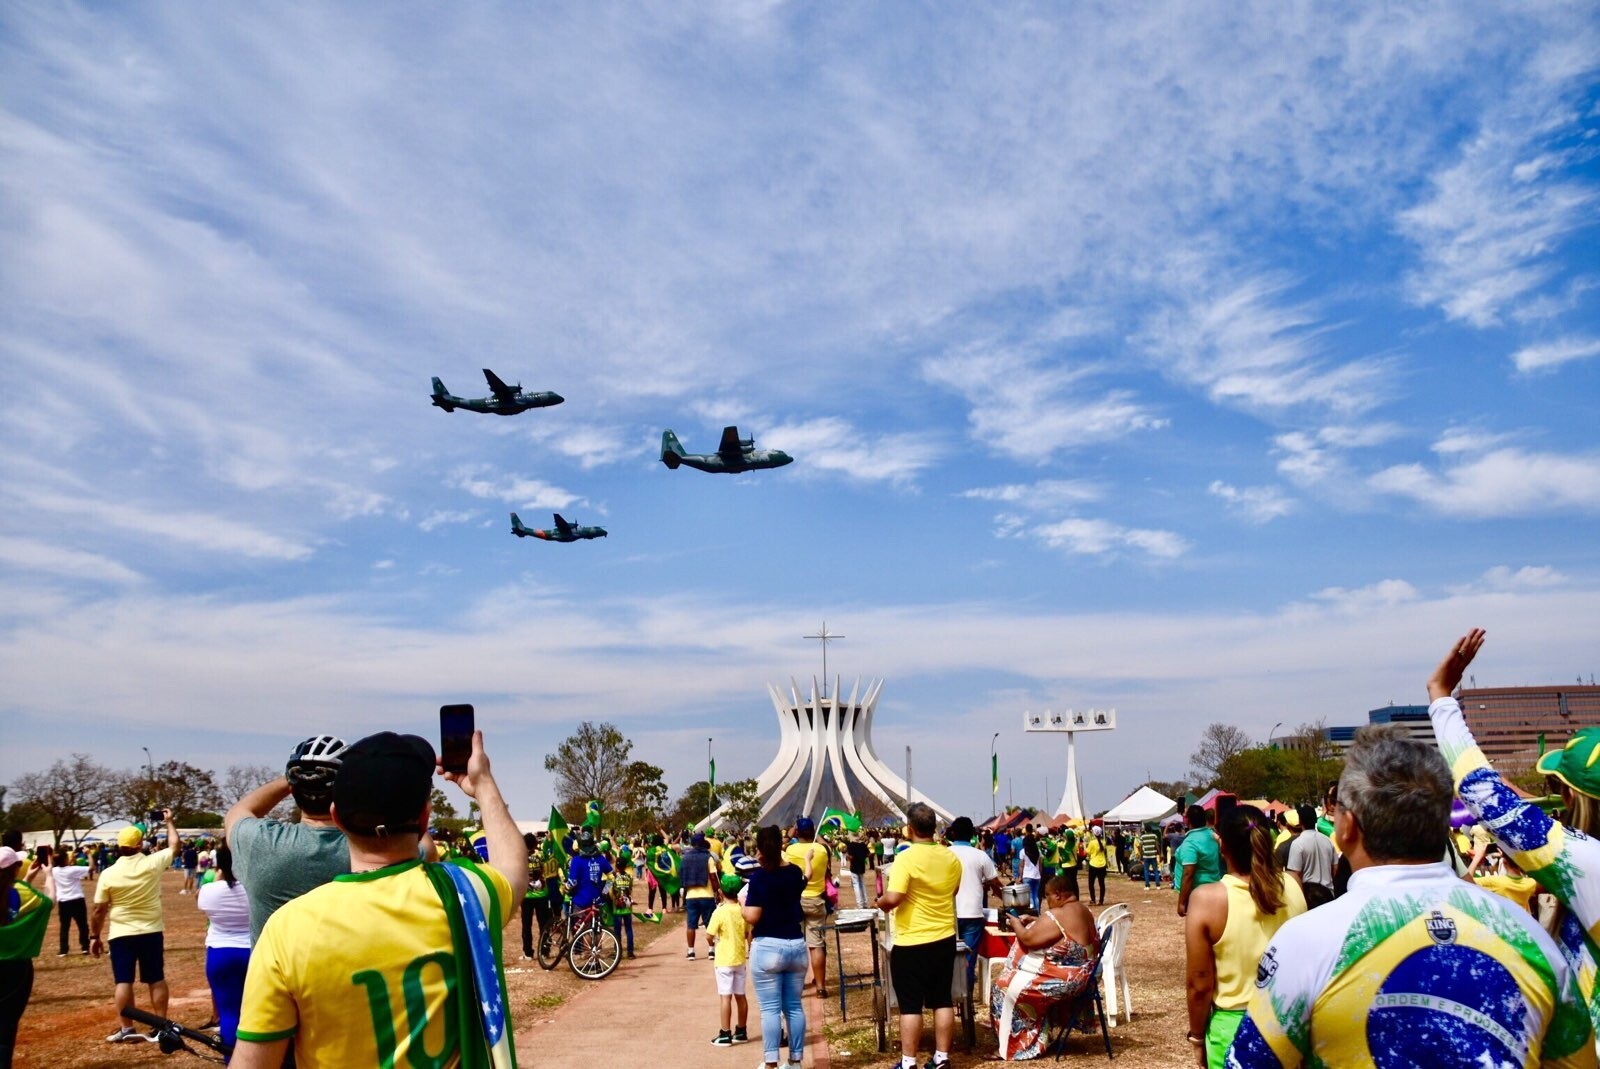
78	793
596	763
1296	768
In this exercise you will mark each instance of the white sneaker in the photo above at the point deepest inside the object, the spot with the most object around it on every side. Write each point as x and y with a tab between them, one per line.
123	1035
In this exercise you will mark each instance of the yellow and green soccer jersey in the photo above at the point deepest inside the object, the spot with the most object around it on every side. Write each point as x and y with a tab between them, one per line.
361	971
1564	862
1414	967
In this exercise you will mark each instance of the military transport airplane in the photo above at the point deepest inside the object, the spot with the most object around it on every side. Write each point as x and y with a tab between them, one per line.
564	532
733	455
507	400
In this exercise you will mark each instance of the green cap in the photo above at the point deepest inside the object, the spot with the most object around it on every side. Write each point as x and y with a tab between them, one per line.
731	884
1577	764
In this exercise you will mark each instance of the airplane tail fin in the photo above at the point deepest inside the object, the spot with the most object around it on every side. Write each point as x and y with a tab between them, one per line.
671	449
441	395
516	526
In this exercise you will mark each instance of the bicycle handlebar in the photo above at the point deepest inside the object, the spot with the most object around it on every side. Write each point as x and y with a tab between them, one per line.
170	1034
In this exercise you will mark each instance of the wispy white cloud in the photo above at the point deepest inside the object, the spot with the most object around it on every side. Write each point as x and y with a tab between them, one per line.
29	555
1032	408
1247	344
1489	232
441	517
1042	495
199	530
1386	593
834	445
1259	504
515	490
1501	578
1095	537
1503	482
1547	355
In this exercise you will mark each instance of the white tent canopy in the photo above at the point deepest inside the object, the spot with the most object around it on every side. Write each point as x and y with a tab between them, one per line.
1143	804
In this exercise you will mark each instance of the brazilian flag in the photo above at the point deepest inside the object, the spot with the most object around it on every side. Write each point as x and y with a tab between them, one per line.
838	820
664	866
591	814
557	836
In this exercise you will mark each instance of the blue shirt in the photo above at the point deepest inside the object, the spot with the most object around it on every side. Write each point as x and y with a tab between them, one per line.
586	874
777	892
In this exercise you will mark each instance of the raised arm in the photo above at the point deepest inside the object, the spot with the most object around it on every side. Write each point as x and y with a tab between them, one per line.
1566	866
507	855
258	803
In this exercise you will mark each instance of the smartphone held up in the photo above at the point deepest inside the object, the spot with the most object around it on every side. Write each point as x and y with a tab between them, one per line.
455	737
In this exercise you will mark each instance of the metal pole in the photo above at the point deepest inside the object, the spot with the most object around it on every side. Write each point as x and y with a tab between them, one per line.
711	777
908	777
1273	732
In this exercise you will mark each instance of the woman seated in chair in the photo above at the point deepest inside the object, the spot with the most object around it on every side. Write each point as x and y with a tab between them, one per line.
1051	963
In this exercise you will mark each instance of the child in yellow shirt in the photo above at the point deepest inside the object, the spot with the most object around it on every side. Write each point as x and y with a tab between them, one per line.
730	940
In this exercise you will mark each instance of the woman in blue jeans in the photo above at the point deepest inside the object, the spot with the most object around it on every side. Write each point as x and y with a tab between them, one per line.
778	947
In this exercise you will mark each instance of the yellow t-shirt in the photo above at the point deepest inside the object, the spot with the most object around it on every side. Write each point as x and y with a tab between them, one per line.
1519	889
795	855
133	887
728	928
928	913
1094	851
356	971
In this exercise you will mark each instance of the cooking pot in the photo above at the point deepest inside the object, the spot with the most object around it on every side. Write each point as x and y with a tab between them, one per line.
1015	896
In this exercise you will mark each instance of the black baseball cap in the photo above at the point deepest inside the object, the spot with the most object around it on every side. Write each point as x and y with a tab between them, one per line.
384	781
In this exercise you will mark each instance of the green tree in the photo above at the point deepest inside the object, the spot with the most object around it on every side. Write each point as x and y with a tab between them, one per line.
592	762
742	806
644	797
69	795
1218	742
176	785
444	814
692	806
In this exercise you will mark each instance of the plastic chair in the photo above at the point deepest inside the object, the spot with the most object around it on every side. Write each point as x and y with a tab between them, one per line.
1080	1015
1113	927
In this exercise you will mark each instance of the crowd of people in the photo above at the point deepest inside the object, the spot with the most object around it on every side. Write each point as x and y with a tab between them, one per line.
1365	930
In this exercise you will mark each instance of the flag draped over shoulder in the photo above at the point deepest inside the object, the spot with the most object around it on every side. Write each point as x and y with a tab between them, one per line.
482	1025
29	917
838	819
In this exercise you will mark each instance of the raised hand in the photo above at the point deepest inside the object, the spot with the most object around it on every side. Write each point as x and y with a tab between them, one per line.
1448	675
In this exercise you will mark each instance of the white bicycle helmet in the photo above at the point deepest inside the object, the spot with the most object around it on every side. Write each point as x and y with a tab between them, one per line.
314	764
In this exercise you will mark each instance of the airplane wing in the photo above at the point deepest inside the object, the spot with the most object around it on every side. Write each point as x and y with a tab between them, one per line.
730	444
562	525
498	387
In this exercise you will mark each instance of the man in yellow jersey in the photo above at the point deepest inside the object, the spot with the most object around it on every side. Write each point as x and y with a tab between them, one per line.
1412	966
921	892
127	913
396	962
815	863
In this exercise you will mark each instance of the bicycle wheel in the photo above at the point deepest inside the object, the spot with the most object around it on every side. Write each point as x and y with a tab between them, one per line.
552	946
594	953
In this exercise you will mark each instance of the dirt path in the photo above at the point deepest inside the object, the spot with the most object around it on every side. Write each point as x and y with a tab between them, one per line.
661	1011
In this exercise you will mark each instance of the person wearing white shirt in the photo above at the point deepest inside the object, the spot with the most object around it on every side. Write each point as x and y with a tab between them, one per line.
227	907
978	876
70	903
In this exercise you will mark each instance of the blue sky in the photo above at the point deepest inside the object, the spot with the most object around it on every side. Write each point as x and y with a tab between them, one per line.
1205	365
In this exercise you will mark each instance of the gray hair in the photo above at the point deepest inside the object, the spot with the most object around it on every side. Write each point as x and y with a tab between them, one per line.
922	819
1399	790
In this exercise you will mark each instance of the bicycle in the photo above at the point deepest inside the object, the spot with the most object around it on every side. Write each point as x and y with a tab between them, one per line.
170	1035
589	946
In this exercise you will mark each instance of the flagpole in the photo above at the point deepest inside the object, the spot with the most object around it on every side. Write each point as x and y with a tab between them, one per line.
711	776
994	774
